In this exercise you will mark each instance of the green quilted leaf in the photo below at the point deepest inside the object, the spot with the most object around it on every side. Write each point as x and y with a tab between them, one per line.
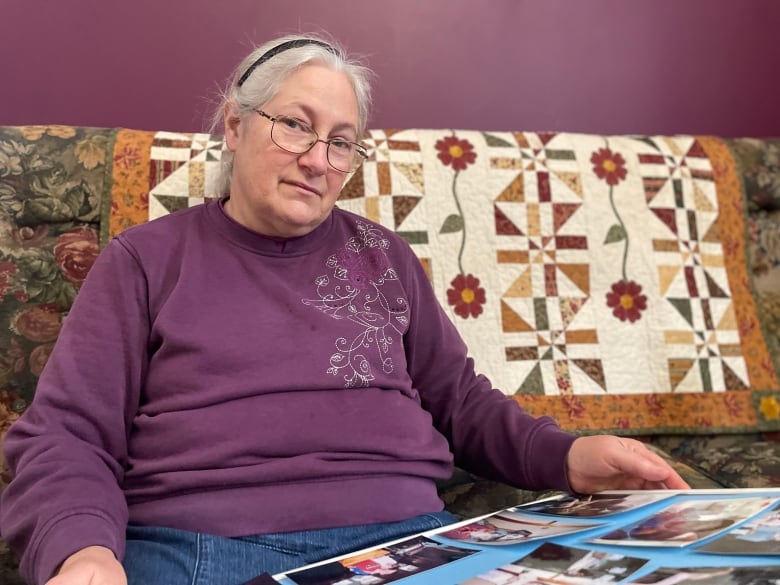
454	223
616	233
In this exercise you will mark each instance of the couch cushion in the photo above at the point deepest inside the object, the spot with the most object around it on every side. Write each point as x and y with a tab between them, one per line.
759	165
9	566
764	258
51	184
52	174
749	460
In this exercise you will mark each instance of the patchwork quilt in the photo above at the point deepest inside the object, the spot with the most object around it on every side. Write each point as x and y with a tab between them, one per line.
601	280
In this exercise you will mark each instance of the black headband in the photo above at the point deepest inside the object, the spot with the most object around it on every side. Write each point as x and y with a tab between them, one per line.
294	44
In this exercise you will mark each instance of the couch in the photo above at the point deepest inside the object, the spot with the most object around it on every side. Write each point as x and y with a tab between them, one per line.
622	284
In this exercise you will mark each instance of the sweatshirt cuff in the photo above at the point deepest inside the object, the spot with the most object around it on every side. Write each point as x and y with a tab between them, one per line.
70	535
554	445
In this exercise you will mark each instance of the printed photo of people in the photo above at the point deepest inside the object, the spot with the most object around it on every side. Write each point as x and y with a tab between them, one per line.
561	565
687	521
592	505
383	565
711	576
760	536
510	527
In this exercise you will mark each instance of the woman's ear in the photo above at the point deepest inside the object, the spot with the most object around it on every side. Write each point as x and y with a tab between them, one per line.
232	123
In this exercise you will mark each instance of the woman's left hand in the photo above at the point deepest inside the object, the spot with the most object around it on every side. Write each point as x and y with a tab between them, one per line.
607	462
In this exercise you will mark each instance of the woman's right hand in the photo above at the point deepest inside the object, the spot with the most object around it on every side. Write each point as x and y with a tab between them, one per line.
93	565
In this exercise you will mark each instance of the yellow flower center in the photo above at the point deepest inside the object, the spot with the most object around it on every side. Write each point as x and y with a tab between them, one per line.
467	295
456	151
626	301
609	165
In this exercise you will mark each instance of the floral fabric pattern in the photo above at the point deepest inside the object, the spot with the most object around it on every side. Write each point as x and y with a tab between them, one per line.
52	180
75	252
764	257
760	169
747	460
127	203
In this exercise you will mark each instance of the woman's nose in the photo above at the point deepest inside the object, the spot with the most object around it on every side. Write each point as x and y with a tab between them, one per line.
316	158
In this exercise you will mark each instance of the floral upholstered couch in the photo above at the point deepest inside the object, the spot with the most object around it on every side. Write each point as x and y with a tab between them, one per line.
626	284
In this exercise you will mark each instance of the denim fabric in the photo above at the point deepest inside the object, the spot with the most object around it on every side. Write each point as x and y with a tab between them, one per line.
166	556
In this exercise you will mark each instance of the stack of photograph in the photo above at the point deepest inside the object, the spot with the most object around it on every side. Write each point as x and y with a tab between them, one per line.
699	537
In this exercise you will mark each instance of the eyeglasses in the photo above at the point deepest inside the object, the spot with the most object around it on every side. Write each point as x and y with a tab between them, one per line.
297	137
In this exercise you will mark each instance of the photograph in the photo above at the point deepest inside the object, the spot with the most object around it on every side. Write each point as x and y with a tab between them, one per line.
765	575
760	536
382	565
588	506
511	527
687	522
561	565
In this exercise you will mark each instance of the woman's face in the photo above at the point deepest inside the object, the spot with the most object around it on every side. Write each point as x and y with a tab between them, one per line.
278	193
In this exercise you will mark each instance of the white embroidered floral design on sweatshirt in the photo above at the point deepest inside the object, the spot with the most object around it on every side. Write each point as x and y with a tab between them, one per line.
354	289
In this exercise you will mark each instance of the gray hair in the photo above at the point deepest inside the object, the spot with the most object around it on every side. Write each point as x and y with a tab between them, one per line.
264	83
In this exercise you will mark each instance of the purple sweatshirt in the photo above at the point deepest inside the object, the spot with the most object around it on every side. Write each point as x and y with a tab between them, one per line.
211	379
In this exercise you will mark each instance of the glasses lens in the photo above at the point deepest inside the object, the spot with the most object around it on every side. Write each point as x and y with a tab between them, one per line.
345	156
341	155
292	135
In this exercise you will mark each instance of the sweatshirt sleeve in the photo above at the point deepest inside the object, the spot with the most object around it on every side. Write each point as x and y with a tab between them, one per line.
68	451
489	433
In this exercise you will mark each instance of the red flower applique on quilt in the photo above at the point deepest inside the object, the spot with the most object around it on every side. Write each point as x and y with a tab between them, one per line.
466	296
626	300
609	166
456	152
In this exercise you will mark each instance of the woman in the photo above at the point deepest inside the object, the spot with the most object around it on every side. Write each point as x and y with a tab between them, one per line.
265	381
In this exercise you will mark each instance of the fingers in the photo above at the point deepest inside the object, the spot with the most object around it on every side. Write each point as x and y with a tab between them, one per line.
654	469
675	482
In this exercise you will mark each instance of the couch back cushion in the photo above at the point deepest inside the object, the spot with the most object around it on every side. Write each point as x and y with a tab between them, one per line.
52	182
599	279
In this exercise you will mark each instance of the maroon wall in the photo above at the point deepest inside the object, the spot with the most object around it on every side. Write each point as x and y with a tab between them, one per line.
603	66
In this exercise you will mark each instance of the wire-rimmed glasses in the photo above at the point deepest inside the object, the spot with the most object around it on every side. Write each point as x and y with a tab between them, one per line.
297	137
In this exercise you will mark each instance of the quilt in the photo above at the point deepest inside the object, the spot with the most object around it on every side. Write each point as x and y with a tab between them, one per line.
601	280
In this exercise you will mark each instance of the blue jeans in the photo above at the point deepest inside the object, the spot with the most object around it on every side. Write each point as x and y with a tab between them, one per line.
166	556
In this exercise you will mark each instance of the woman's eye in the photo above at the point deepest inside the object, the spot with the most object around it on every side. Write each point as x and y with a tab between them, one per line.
294	124
340	144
